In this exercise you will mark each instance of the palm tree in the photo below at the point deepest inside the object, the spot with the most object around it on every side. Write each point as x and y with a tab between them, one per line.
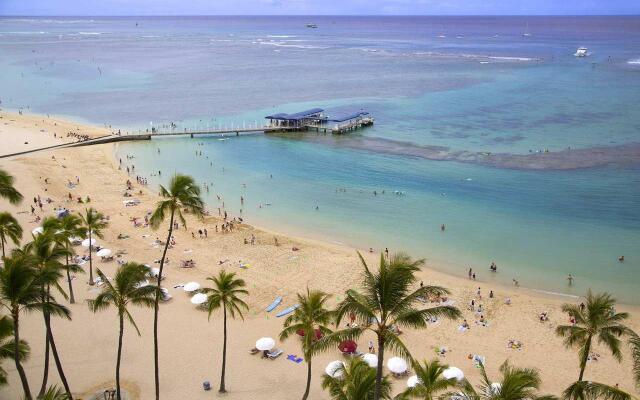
124	290
10	229
516	384
7	346
46	252
21	290
54	393
312	314
430	380
93	221
356	381
226	295
182	193
388	301
66	228
597	321
7	191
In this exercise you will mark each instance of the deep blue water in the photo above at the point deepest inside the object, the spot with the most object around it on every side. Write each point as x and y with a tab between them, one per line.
463	83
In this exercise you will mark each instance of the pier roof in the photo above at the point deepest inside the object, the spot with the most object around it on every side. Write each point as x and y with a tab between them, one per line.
349	117
296	116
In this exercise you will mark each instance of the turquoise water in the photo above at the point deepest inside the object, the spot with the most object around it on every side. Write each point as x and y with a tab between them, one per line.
528	94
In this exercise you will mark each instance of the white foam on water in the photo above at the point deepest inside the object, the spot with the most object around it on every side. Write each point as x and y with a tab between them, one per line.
634	62
281	36
90	33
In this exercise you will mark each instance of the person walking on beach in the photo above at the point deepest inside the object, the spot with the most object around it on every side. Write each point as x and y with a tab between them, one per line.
470	272
372	348
386	251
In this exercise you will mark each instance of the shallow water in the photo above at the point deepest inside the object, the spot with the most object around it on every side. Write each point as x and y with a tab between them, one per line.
528	94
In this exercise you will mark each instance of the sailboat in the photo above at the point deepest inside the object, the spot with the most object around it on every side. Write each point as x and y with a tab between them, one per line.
526	31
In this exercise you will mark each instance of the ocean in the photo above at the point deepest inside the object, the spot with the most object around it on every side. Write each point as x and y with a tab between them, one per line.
445	92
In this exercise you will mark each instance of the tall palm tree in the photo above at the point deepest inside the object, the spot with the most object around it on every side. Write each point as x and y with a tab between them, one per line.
355	381
182	193
21	290
7	346
10	229
46	253
7	190
93	221
598	322
430	380
65	229
225	294
124	290
388	301
516	384
312	314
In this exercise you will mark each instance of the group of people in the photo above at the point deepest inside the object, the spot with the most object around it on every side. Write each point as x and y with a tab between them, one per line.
79	136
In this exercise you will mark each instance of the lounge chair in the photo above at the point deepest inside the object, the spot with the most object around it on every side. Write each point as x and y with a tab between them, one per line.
275	353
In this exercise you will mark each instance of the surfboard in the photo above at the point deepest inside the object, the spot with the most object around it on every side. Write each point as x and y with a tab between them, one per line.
287	310
275	304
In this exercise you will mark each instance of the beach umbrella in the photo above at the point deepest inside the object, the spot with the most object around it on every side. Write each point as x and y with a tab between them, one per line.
38	231
265	343
335	369
371	360
103	253
191	287
85	243
495	388
413	381
397	365
317	332
199	298
348	346
453	372
155	272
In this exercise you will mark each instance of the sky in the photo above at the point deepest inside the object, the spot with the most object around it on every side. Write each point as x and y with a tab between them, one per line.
318	7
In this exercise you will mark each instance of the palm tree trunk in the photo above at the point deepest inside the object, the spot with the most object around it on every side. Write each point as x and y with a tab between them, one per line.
224	351
90	260
156	308
306	391
378	388
583	362
45	373
56	358
71	298
119	356
2	240
16	356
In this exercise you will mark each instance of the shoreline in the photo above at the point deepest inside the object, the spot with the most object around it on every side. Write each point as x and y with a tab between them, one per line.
190	344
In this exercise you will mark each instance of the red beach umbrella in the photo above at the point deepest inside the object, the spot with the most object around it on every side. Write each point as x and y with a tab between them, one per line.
317	331
348	346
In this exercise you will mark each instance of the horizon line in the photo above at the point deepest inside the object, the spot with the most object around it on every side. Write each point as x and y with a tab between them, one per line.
307	15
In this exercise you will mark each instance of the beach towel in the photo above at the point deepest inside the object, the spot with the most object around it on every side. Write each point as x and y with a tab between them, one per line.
294	358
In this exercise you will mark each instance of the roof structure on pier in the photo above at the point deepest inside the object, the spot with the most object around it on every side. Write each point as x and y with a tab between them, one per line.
296	116
349	117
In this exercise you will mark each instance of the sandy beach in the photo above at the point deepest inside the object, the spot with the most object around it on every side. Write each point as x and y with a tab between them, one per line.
190	345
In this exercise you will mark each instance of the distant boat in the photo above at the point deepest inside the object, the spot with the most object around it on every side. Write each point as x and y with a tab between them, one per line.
442	36
581	52
312	26
526	31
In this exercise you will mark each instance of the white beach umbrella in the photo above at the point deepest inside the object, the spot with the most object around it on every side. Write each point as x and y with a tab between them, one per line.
37	231
397	365
453	372
104	253
75	239
265	343
413	381
85	243
371	360
335	369
495	388
191	287
155	272
199	298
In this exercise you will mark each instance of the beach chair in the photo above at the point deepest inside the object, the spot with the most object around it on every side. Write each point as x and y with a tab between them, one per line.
275	353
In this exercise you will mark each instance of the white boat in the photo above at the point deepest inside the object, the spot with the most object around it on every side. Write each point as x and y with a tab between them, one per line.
581	52
526	31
